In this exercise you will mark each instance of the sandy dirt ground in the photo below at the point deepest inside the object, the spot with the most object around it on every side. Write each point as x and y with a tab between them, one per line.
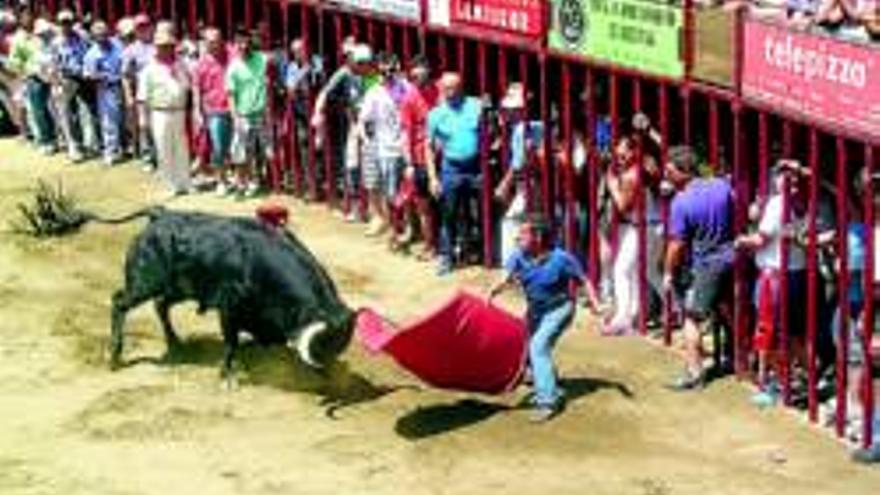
70	426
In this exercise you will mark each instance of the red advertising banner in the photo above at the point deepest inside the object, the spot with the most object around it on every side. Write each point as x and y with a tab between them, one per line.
526	18
824	79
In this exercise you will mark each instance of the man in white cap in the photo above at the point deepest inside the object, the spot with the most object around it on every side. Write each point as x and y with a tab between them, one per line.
103	66
526	138
344	93
68	53
163	87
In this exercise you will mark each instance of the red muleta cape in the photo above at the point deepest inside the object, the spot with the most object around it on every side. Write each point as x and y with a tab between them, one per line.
464	345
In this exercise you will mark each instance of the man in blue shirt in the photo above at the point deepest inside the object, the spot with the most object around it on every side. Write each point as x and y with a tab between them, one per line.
103	65
68	54
454	133
545	274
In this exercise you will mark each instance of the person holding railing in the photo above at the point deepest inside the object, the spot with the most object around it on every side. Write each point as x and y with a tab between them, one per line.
767	244
339	102
634	172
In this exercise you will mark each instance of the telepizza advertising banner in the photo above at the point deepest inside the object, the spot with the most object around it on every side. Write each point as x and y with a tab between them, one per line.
825	79
645	35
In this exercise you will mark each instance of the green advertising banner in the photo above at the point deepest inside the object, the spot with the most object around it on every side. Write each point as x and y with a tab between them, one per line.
640	34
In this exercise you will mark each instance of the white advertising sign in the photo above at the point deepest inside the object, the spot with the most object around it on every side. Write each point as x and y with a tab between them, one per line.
405	9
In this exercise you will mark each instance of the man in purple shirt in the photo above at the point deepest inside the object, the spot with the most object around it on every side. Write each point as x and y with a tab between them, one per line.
700	231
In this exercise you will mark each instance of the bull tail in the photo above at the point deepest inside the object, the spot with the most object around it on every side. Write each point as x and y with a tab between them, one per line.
150	211
54	213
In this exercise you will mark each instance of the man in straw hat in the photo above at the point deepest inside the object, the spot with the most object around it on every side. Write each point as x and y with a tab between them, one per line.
163	87
103	66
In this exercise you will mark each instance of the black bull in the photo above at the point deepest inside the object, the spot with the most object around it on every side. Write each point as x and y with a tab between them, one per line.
260	279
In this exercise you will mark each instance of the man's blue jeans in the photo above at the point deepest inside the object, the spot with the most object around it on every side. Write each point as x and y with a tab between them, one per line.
461	188
39	94
545	329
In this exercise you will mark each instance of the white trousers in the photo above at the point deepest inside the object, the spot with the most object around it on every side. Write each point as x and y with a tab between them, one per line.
172	152
510	224
626	271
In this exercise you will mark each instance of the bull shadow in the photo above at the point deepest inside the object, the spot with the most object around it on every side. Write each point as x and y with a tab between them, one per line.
426	422
338	386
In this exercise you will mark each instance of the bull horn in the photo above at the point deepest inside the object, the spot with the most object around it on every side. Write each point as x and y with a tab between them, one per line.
304	342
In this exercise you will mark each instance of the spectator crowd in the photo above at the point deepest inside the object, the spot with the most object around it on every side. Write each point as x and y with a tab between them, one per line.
409	152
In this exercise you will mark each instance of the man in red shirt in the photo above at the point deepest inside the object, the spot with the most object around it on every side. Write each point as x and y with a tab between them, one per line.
418	101
212	103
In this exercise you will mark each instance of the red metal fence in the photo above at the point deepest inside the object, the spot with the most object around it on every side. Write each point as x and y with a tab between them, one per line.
772	94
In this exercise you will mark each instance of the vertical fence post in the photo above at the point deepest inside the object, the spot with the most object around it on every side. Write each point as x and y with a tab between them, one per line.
740	289
713	135
230	21
868	316
211	12
763	153
594	238
528	170
568	171
641	221
812	276
783	300
546	204
842	288
248	13
485	170
311	169
664	212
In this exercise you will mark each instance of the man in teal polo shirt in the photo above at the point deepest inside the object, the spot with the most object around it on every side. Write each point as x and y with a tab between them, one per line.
454	133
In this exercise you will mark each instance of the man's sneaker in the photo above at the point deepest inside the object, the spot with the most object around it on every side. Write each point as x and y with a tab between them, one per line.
445	267
221	189
867	456
76	157
251	189
765	398
542	414
688	381
377	227
47	150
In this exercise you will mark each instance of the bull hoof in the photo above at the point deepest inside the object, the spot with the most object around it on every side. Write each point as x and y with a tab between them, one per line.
115	362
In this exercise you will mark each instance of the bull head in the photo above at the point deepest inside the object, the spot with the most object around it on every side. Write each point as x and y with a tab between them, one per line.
320	342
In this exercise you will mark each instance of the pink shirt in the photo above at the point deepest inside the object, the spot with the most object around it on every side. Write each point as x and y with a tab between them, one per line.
210	82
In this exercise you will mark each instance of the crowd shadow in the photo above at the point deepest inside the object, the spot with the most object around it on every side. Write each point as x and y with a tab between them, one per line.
338	386
426	422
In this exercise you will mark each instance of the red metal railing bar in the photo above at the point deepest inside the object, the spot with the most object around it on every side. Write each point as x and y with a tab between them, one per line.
812	277
842	288
868	310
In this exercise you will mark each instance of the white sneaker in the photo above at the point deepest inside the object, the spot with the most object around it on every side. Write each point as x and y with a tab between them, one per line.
251	189
377	227
221	190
